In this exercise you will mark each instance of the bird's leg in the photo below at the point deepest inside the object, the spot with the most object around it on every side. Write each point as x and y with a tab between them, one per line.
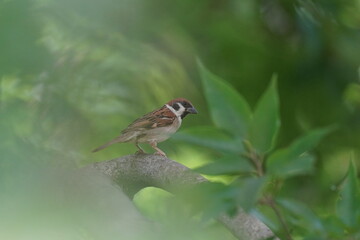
140	151
158	150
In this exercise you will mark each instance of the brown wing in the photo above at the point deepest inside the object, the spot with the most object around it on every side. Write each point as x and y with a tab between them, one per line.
161	117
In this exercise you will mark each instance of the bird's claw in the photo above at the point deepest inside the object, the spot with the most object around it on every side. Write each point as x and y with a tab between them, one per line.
139	152
160	153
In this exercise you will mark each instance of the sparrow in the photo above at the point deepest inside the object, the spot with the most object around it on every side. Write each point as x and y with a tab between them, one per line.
156	126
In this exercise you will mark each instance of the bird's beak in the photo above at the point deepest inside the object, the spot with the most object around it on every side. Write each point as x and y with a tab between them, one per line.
192	110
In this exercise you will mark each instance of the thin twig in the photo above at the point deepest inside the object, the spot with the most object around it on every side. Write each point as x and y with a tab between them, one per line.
256	161
270	202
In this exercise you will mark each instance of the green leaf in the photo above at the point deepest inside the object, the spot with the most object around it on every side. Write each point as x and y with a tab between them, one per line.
211	198
228	165
303	216
310	140
249	190
334	227
282	164
348	204
229	110
266	121
294	160
212	137
221	199
262	214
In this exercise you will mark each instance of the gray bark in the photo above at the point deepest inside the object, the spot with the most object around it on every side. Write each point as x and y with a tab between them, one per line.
135	172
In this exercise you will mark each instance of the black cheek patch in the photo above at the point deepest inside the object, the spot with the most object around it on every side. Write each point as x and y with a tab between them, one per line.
175	106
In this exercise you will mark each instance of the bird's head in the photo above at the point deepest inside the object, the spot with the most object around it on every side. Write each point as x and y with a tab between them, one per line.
182	107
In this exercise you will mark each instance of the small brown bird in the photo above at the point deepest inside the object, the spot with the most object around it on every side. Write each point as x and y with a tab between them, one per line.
156	126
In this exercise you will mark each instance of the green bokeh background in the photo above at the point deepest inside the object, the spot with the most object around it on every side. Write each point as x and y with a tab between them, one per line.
73	74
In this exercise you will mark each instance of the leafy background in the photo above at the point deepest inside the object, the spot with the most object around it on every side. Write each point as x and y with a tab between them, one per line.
275	81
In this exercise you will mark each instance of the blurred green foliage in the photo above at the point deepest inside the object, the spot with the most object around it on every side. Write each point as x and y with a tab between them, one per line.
74	73
262	183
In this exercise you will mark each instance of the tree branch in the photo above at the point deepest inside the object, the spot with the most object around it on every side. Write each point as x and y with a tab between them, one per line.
135	172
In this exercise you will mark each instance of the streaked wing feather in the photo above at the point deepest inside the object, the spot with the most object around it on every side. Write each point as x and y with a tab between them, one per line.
161	117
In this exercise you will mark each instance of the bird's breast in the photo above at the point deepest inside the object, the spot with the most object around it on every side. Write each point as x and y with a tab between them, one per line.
160	134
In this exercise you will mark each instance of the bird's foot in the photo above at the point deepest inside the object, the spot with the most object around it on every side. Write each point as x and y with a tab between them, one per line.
160	153
139	152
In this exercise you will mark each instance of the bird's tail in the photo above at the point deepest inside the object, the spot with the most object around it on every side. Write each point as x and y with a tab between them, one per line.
115	140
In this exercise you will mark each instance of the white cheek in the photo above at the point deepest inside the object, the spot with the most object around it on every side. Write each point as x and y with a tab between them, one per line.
171	108
181	110
178	112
